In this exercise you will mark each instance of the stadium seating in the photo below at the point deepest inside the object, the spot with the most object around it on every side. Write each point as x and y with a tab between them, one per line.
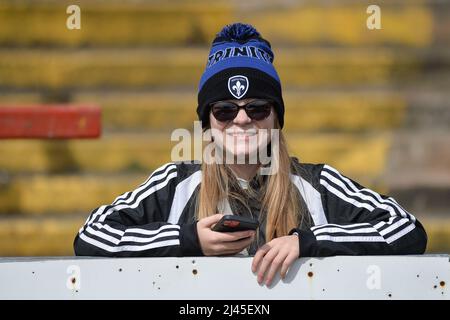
373	103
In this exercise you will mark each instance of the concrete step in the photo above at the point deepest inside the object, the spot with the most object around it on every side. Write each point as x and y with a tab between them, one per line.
418	170
323	111
337	109
51	69
427	109
40	195
420	152
360	154
115	23
51	236
438	231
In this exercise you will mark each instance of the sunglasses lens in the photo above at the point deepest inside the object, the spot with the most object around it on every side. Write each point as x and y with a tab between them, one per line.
258	110
227	111
224	111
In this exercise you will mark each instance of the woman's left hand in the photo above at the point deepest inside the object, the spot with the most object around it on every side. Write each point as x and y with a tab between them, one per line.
279	253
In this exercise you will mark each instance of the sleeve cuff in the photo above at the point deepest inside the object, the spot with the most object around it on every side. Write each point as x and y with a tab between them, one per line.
307	242
189	243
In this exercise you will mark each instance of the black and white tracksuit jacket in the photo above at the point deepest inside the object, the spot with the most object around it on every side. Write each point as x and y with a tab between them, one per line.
158	218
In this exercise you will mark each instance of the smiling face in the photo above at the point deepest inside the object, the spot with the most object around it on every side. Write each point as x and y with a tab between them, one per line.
242	136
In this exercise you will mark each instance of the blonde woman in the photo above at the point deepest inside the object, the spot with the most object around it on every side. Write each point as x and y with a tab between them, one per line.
303	209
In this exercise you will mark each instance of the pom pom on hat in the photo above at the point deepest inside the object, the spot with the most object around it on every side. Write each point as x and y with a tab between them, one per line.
238	31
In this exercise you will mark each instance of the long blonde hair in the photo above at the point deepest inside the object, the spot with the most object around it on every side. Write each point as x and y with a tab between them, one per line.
281	201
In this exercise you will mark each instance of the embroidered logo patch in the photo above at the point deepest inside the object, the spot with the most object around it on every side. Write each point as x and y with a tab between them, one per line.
238	86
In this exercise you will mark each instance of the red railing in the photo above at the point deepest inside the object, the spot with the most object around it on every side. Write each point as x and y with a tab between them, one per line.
63	121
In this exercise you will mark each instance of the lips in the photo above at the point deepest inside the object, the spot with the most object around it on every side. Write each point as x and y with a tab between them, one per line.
242	134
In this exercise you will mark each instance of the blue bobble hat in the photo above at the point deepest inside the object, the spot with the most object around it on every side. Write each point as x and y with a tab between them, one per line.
239	66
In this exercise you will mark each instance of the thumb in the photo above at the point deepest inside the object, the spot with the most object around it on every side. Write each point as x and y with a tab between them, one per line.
209	221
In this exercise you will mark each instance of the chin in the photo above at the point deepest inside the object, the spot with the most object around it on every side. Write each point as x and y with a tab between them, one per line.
244	153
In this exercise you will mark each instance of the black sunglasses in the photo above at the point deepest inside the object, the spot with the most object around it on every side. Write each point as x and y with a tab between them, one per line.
256	110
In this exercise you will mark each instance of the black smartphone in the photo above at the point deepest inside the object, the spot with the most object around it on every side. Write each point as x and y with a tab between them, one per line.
231	223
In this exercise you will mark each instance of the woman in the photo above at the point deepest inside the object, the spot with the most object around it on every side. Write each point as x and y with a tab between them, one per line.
303	209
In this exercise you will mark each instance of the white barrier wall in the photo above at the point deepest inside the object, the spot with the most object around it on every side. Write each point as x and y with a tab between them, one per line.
364	277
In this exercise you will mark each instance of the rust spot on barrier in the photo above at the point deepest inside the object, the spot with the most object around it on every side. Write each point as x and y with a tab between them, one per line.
74	280
194	271
310	274
442	283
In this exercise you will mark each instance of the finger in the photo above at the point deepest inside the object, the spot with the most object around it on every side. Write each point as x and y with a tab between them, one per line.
237	246
209	221
234	236
266	262
242	244
275	266
287	264
232	252
259	256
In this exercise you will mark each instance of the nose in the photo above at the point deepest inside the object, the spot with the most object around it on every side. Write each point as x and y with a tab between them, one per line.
242	118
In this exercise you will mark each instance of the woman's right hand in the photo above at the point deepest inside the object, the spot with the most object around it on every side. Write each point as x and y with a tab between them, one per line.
215	243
